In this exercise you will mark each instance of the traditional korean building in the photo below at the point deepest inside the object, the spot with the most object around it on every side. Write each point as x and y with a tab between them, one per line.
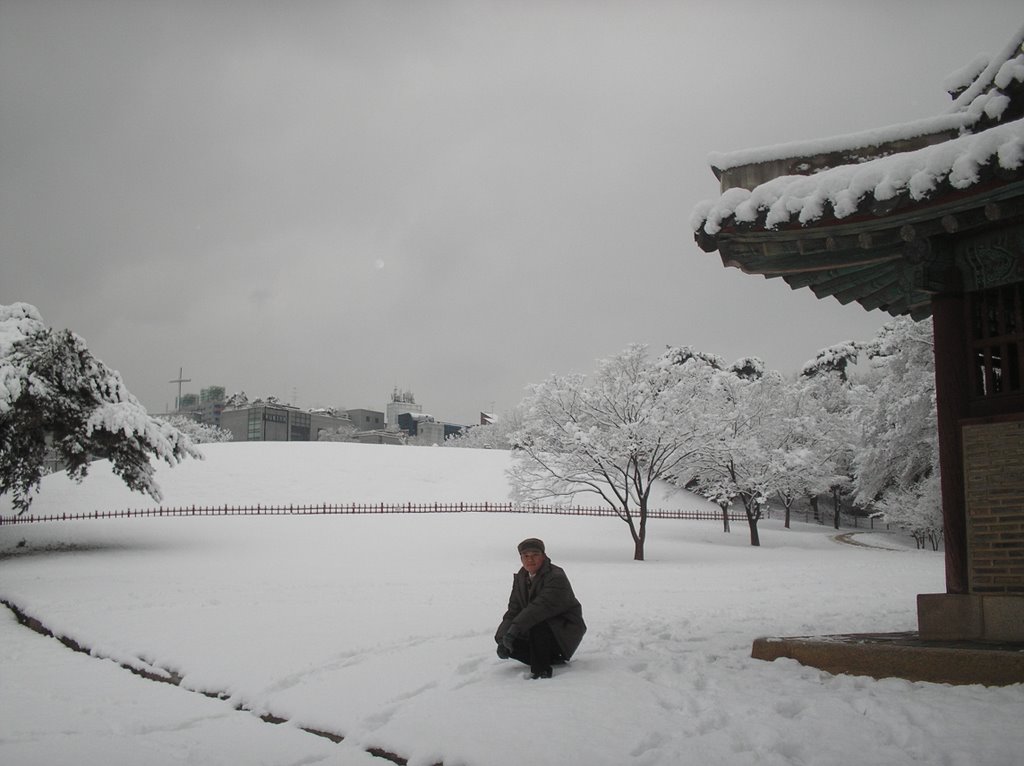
924	219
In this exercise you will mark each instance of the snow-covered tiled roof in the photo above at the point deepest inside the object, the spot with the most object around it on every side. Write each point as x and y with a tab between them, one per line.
1004	67
847	142
840	191
979	104
852	216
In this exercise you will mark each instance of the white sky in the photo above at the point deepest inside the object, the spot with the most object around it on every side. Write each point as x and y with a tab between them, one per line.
324	200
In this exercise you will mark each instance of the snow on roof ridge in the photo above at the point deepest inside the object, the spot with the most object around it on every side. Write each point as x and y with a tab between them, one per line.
966	74
983	80
918	172
965	111
845	142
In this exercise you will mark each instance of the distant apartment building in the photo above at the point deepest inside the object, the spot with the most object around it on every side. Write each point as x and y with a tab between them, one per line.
424	429
275	422
402	402
379	436
268	419
366	420
204	407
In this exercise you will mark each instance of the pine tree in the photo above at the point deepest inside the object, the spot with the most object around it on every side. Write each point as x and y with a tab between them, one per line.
54	394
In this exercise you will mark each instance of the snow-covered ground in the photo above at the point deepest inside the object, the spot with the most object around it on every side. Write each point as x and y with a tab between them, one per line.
379	629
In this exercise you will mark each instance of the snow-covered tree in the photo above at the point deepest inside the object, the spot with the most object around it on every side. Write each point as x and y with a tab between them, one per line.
680	355
748	368
716	488
792	483
800	447
53	392
613	435
897	463
743	459
768	442
340	433
719	489
237	401
826	380
834	360
495	435
198	433
331	412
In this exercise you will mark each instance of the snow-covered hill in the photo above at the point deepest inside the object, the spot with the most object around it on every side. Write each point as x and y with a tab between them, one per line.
379	628
307	473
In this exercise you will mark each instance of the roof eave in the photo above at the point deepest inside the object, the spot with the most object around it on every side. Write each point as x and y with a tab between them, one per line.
876	260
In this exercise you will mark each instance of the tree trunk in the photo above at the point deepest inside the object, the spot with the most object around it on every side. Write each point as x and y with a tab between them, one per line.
725	516
814	507
837	506
753	512
755	538
787	503
638	550
639	535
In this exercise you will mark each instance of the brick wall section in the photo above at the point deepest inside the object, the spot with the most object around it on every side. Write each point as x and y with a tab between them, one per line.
994	488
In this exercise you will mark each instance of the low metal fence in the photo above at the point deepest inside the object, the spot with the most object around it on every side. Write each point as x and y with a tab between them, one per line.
360	508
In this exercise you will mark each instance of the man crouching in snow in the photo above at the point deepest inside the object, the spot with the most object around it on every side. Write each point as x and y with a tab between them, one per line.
544	622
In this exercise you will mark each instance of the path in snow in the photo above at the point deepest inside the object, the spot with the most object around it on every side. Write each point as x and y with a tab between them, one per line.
175	678
847	539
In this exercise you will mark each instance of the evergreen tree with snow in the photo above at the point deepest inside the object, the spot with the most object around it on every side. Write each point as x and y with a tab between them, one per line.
54	393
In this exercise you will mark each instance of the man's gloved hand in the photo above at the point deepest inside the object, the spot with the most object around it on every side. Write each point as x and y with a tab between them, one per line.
503	652
511	635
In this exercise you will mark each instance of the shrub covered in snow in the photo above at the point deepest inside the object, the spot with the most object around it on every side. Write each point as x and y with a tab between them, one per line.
199	433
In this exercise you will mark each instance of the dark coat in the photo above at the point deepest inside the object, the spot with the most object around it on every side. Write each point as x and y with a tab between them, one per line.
549	598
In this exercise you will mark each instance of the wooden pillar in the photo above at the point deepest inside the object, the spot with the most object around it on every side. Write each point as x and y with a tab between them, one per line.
952	393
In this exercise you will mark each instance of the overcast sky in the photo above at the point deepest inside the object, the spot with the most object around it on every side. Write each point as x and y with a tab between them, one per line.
325	200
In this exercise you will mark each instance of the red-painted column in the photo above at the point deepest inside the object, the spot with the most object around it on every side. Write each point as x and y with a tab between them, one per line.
952	392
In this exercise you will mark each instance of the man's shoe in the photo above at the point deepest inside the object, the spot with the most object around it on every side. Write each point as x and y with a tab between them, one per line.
546	673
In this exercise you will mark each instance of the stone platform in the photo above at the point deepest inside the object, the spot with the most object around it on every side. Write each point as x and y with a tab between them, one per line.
902	655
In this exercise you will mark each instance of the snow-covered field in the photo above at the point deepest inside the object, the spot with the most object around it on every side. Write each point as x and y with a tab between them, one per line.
379	629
